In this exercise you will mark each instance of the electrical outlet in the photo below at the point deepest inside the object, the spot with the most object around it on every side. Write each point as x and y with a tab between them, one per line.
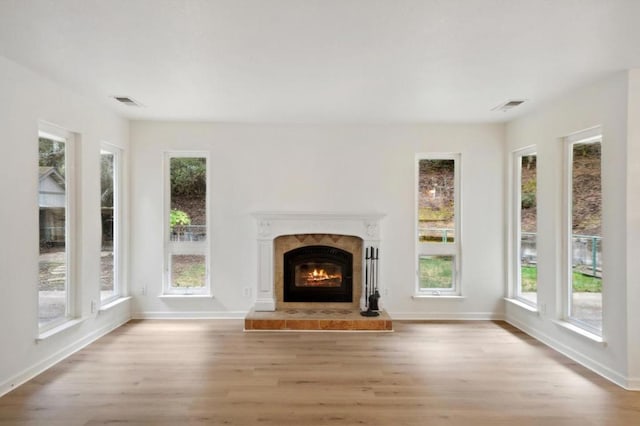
143	290
93	306
543	308
246	292
385	292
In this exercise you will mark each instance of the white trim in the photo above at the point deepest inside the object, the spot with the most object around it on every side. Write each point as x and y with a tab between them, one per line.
185	296
53	131
108	306
69	323
199	248
424	295
445	249
579	331
590	135
41	366
526	306
446	316
117	178
317	216
633	384
174	315
515	277
589	363
72	229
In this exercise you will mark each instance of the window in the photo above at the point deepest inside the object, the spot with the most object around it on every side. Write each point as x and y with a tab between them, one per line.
110	217
583	236
56	218
438	224
187	256
525	178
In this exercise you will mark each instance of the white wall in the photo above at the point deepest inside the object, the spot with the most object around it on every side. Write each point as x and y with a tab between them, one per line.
633	229
26	98
363	168
603	103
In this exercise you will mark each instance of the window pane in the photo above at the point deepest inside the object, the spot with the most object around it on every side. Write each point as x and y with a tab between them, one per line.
528	229
188	186
436	202
586	239
188	270
107	192
436	272
52	200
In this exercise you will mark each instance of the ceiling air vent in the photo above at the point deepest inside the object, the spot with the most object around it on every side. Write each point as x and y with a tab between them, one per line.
127	101
506	106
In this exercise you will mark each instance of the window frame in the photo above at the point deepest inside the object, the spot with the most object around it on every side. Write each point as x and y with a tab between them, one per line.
199	248
72	310
453	249
118	290
516	288
591	135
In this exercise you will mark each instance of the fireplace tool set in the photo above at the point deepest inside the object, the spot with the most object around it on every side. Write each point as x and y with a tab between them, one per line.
371	282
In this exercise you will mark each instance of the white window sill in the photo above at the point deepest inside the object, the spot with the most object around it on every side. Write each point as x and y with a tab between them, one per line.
186	296
60	328
581	332
107	306
525	306
437	296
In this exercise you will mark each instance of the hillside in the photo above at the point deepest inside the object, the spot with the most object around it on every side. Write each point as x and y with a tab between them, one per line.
587	191
436	204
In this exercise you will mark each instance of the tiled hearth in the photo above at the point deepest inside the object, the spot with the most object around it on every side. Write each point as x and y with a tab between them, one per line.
316	320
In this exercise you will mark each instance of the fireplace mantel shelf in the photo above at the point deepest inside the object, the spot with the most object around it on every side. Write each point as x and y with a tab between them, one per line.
275	215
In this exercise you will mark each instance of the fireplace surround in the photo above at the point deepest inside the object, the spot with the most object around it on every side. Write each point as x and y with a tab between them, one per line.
345	231
308	249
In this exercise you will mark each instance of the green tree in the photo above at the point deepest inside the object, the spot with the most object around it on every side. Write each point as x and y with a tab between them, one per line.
52	154
188	176
106	180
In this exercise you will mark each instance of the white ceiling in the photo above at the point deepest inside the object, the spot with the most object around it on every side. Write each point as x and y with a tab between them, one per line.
322	61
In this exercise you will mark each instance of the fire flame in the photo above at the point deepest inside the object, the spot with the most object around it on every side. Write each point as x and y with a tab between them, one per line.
318	275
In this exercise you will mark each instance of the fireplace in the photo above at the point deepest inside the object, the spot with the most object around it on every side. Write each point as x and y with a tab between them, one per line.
280	232
318	273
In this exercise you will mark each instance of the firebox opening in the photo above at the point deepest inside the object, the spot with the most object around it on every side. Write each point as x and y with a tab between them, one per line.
318	274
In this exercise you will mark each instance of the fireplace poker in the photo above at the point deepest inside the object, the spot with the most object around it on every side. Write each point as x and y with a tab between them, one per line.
373	270
366	276
375	295
375	287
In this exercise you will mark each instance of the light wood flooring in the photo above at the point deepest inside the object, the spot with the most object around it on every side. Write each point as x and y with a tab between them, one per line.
213	373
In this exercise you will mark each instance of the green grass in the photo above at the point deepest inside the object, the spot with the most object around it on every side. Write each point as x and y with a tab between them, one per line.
435	272
581	283
426	214
188	272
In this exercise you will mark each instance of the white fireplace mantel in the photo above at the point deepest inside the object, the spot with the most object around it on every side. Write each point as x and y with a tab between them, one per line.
270	225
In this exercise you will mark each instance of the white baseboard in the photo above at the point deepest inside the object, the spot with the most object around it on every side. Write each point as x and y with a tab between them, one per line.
31	372
446	316
585	361
633	384
190	315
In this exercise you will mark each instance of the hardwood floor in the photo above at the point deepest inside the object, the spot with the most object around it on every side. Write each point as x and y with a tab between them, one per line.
211	372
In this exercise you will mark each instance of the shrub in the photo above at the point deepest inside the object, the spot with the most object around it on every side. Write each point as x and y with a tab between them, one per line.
179	218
